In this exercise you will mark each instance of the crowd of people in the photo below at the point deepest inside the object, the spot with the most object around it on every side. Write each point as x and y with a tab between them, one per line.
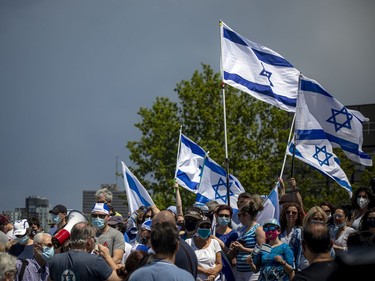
203	242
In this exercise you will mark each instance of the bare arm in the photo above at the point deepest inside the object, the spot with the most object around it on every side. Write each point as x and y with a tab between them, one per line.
178	200
296	196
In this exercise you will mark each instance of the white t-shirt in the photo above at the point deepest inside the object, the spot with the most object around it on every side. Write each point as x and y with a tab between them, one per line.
206	256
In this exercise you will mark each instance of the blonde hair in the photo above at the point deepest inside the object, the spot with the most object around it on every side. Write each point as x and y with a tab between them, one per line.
313	210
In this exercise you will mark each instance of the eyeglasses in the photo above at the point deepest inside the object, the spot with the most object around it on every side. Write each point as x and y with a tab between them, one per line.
338	216
49	245
205	226
98	216
224	216
270	228
291	212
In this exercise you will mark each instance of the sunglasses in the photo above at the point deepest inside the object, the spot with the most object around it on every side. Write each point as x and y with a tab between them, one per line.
49	245
291	212
270	228
205	226
98	216
224	216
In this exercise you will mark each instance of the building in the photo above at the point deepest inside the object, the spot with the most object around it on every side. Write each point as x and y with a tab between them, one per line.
38	207
119	202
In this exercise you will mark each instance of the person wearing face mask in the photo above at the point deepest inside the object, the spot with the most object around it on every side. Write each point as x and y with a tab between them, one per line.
207	250
24	245
362	200
143	243
277	262
59	216
225	236
368	221
341	233
191	218
36	268
106	235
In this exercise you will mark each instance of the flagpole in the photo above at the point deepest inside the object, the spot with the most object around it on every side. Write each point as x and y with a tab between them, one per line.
178	152
289	138
225	117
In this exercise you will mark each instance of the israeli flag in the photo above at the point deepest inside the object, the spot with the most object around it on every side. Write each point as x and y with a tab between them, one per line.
136	194
189	164
258	70
213	185
312	146
271	207
340	125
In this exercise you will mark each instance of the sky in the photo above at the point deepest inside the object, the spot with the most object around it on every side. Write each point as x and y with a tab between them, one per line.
74	74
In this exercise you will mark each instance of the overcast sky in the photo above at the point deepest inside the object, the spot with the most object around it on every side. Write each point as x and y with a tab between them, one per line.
74	73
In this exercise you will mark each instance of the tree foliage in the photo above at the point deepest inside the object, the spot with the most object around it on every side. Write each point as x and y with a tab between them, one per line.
257	135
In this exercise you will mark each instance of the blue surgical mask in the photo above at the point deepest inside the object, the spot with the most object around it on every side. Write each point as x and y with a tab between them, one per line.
203	233
223	221
56	218
23	240
98	223
340	225
48	253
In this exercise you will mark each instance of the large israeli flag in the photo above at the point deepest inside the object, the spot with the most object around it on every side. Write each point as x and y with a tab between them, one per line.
312	146
213	185
136	194
341	126
258	70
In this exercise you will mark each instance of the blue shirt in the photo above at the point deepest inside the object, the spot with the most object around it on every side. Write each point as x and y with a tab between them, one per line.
33	271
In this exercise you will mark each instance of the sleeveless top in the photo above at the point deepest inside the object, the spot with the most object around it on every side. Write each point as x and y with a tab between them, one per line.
249	240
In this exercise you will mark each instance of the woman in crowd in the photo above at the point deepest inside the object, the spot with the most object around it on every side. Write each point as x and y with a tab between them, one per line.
329	209
291	218
208	252
362	200
340	234
368	221
315	214
223	233
250	234
276	263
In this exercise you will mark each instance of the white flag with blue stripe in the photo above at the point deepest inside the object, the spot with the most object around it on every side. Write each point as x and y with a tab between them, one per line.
258	70
341	126
189	164
312	146
213	185
271	207
136	194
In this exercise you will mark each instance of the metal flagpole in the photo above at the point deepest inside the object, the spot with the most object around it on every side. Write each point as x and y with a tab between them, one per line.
178	152
225	117
289	138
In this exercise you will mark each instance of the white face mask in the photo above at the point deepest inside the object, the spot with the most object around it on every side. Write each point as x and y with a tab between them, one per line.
362	202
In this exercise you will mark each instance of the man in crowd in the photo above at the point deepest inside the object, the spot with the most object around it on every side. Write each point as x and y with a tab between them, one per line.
106	235
23	248
79	263
185	256
164	242
36	268
59	215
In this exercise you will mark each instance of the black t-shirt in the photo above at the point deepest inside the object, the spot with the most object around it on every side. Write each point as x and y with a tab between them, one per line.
318	271
186	258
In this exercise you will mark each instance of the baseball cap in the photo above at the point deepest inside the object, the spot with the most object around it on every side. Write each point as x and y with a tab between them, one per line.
147	225
20	227
58	209
205	220
115	220
101	208
272	222
172	209
193	214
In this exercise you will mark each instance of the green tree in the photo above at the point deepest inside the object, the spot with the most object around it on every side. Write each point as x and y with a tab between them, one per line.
256	134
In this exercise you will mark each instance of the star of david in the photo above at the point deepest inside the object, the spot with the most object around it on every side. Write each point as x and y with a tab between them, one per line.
68	275
327	155
217	186
340	118
267	74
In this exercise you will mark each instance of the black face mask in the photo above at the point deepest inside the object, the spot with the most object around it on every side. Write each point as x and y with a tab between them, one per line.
370	223
190	225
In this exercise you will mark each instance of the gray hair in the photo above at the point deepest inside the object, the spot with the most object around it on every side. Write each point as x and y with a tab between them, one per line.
7	263
104	192
38	238
81	231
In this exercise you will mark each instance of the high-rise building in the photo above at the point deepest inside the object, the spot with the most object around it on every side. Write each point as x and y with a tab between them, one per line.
38	207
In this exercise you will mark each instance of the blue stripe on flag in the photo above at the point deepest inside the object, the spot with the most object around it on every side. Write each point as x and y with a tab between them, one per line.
185	179
133	186
262	56
196	149
313	87
260	89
